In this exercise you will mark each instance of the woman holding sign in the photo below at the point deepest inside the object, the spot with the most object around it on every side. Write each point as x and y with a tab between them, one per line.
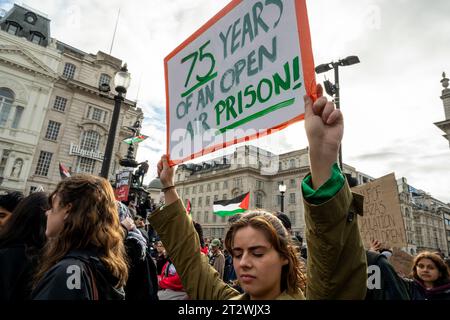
263	256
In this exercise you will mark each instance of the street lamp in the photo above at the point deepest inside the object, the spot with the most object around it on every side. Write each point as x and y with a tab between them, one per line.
282	189
122	82
334	89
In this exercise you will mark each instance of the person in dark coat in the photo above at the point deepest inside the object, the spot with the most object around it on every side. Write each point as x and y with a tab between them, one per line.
8	202
389	286
431	278
142	284
21	241
84	258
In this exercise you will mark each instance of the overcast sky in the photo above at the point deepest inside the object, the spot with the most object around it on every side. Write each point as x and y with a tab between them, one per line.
390	101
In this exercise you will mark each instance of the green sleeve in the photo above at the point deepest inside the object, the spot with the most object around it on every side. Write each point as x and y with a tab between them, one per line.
326	191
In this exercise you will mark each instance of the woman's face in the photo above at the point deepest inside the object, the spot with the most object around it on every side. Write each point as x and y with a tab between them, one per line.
55	218
427	270
258	265
159	247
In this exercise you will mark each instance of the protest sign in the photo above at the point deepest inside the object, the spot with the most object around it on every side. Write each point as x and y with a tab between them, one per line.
382	218
241	76
123	182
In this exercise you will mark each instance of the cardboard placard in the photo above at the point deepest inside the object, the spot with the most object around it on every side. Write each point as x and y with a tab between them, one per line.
241	76
123	182
382	218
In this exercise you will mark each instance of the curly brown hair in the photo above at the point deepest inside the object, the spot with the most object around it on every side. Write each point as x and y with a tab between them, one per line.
444	272
92	222
293	280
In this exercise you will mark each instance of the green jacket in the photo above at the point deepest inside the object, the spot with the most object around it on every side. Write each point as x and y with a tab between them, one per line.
337	267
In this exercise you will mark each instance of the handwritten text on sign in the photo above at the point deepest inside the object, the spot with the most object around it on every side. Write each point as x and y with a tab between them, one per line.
241	74
382	218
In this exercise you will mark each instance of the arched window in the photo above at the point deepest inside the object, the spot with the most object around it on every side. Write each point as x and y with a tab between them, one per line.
6	101
91	140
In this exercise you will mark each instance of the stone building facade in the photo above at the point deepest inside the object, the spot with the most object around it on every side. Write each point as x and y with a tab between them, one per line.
51	108
78	117
248	169
425	220
29	62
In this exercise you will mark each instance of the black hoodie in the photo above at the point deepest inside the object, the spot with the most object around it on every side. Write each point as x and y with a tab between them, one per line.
75	277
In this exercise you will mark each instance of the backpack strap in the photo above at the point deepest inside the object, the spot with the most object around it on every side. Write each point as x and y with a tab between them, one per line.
86	259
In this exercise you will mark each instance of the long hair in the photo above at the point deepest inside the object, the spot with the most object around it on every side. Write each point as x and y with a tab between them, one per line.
444	277
27	223
92	223
292	279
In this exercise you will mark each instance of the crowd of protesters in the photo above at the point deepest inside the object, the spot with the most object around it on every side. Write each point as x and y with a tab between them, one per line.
79	243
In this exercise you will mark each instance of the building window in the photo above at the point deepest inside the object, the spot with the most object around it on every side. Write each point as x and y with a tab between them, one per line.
187	190
192	202
280	166
91	140
214	218
216	197
292	163
208	187
43	164
292	198
292	217
194	189
206	220
4	161
85	165
200	189
36	38
259	200
6	101
96	114
13	28
208	200
17	117
259	185
225	185
292	183
200	201
104	79
237	182
69	70
216	186
32	189
447	222
52	130
60	104
224	197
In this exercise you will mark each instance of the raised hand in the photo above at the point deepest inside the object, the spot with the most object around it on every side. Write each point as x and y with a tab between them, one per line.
166	175
324	125
165	172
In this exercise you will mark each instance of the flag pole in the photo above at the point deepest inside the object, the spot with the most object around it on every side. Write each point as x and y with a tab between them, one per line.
114	35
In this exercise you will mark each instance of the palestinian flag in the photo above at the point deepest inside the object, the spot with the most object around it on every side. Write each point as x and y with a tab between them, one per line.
231	207
63	171
134	140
